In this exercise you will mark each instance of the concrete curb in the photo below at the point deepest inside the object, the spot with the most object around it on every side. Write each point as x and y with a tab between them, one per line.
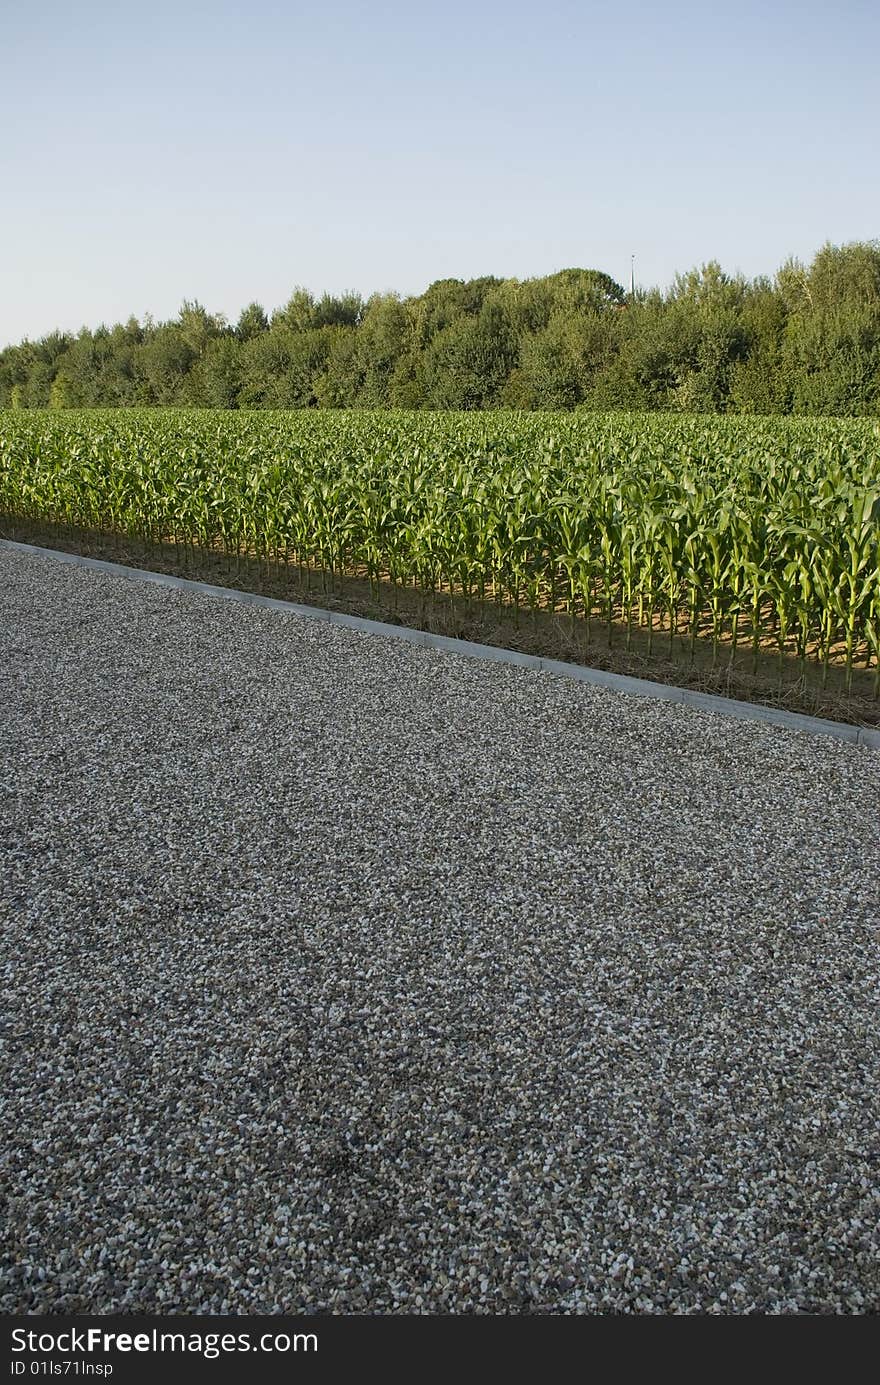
617	682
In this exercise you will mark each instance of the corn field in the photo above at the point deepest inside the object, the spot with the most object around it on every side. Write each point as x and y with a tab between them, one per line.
739	531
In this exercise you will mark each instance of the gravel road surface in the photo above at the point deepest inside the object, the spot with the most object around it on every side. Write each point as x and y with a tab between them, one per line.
343	975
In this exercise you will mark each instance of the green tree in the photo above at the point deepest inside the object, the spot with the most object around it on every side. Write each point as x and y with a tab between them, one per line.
468	362
384	338
831	349
221	373
60	394
298	313
197	326
163	363
758	380
252	322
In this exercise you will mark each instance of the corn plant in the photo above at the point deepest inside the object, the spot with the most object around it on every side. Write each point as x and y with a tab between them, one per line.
731	528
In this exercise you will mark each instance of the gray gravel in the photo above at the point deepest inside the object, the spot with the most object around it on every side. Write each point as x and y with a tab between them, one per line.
345	975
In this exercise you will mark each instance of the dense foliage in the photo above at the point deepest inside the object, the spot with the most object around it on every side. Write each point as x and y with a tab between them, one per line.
733	528
807	342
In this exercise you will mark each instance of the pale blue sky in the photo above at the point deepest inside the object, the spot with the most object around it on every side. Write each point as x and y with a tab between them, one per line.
227	152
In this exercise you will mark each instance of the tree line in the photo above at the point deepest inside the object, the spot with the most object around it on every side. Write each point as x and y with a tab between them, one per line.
805	342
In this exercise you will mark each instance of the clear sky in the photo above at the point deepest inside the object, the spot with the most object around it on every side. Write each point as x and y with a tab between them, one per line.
158	151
